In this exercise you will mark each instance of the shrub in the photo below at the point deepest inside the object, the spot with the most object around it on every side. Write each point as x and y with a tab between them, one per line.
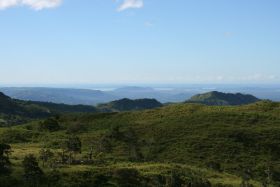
33	174
15	136
127	177
76	128
4	159
50	124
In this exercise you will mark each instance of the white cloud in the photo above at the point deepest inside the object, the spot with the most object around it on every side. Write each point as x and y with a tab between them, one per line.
8	3
127	4
34	4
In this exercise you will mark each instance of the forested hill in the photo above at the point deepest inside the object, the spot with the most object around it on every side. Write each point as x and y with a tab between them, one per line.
64	108
223	99
13	111
129	105
10	106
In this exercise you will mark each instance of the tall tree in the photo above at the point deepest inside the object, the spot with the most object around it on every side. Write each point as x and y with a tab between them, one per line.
4	159
33	174
45	155
74	146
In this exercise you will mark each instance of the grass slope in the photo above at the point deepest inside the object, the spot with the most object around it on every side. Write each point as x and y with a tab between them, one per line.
232	139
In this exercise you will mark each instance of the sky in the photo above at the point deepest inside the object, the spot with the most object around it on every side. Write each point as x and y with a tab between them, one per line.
139	41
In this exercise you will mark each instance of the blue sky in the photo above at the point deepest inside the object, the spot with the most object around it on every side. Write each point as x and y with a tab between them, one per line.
135	41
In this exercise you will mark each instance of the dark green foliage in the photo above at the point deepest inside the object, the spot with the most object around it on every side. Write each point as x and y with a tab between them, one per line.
222	185
16	136
215	166
88	179
45	155
74	128
218	98
53	178
218	137
63	108
241	140
33	174
9	181
129	105
127	177
14	111
74	144
116	140
50	124
16	107
5	163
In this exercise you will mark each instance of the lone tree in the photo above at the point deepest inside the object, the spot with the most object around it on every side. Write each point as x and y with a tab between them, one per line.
33	174
74	146
4	159
45	155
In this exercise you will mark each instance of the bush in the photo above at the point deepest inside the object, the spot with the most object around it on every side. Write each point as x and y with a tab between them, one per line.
127	177
15	136
4	159
215	166
33	174
222	185
76	128
50	124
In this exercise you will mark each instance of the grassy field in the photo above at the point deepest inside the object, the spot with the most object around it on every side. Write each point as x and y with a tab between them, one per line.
19	151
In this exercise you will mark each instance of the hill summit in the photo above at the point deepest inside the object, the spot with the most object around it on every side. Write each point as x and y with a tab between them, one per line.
223	99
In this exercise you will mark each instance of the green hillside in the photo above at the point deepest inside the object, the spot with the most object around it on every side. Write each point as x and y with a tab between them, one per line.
63	108
223	99
129	105
221	145
13	111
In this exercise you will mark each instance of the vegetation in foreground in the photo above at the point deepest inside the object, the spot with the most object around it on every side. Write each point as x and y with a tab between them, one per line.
175	145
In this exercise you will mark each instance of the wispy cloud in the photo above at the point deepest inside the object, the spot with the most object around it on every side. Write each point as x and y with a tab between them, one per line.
34	4
128	4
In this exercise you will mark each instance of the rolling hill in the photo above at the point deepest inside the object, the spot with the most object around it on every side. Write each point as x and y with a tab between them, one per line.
221	146
228	144
13	111
222	99
129	105
233	139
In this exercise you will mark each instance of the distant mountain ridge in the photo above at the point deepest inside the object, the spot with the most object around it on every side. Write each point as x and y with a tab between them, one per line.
223	99
74	96
59	95
129	105
14	111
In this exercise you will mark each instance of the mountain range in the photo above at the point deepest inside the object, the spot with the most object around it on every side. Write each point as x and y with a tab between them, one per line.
14	111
